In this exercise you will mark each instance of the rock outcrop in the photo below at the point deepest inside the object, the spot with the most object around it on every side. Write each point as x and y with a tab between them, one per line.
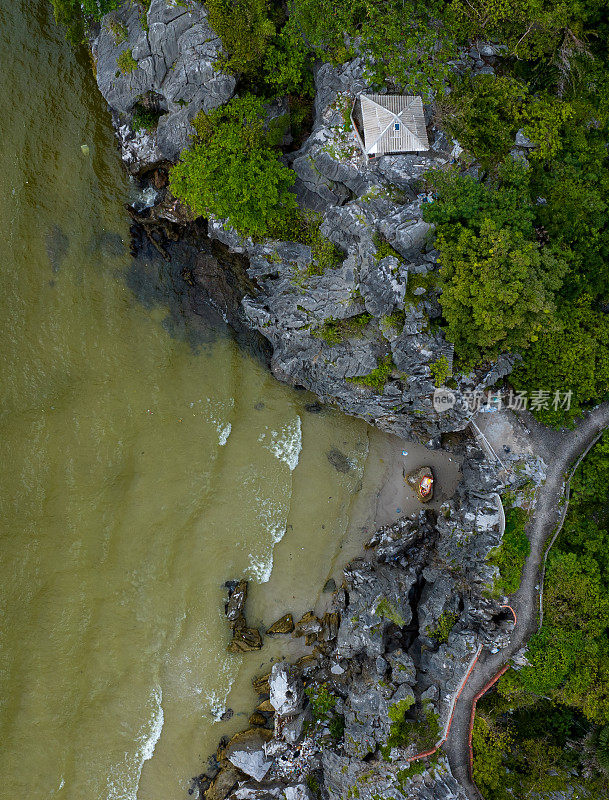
164	59
390	657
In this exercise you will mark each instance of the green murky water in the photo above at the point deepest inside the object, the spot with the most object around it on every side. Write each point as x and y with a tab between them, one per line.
138	474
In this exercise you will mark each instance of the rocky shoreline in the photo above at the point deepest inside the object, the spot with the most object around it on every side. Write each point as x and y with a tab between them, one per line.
391	651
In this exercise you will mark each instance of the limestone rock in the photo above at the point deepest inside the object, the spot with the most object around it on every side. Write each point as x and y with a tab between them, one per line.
222	784
244	638
246	752
283	625
236	600
174	65
287	692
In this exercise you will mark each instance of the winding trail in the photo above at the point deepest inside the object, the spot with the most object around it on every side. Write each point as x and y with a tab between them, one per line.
549	515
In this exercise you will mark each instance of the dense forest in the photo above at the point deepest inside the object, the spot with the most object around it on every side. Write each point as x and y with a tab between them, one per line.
547	726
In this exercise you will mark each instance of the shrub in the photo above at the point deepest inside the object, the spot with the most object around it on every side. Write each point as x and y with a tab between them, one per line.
232	171
440	369
414	55
245	28
511	553
322	701
145	118
71	14
125	62
387	610
287	65
423	730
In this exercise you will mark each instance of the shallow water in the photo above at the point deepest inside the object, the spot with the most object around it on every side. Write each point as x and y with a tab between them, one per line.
138	473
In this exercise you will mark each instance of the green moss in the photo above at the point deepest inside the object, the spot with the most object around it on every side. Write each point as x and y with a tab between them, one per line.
125	62
445	624
378	377
387	610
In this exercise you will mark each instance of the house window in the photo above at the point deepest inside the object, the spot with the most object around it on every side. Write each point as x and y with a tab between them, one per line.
397	126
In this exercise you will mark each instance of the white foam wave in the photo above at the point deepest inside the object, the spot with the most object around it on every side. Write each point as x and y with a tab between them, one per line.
272	514
215	412
124	778
224	433
286	443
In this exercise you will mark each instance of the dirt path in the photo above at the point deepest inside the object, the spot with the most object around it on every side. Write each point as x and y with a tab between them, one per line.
547	520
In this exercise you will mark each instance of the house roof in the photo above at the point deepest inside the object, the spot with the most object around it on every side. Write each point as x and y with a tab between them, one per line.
392	124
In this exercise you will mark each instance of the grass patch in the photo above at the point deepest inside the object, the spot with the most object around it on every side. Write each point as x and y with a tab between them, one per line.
378	377
334	331
125	62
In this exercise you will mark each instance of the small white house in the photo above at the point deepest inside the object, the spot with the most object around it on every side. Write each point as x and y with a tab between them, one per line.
387	123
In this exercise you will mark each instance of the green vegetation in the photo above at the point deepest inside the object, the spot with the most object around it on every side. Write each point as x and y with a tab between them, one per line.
440	369
232	170
72	15
511	553
546	728
384	249
417	767
125	62
378	377
387	610
145	118
445	624
504	105
334	331
245	28
421	728
298	225
323	703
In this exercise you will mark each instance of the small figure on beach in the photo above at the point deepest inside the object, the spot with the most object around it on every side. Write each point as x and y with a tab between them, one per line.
422	481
